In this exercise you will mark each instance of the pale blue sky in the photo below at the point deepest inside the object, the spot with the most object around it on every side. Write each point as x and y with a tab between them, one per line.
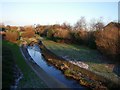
14	13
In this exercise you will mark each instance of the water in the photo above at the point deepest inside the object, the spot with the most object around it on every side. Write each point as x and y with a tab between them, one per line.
35	53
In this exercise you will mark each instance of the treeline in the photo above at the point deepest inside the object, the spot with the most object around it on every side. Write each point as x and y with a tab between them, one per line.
80	33
104	38
14	33
97	36
59	33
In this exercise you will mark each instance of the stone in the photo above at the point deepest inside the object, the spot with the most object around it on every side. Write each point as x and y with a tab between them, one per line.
80	64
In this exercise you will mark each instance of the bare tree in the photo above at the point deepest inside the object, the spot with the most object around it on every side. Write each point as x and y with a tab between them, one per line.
92	24
96	24
99	26
81	24
67	26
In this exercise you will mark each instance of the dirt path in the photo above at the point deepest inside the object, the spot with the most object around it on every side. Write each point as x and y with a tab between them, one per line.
50	81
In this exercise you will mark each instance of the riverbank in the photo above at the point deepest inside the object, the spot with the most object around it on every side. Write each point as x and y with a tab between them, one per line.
50	81
83	76
85	57
11	74
29	79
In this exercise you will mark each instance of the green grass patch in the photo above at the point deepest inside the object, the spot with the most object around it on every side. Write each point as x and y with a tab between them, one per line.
97	63
7	66
80	53
30	79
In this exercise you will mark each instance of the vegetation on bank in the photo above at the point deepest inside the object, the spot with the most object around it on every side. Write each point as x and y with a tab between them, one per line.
70	42
83	76
97	62
7	68
94	35
11	54
103	38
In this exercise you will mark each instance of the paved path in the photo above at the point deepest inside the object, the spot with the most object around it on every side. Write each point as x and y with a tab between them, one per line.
50	81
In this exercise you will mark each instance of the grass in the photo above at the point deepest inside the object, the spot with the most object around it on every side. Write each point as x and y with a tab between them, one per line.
97	63
85	77
30	79
7	61
73	51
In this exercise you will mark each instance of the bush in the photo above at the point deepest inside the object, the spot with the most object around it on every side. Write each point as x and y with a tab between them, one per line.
28	34
91	40
11	36
42	30
62	33
107	40
50	33
81	36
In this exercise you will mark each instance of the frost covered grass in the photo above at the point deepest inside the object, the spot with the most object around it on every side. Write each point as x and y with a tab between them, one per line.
96	62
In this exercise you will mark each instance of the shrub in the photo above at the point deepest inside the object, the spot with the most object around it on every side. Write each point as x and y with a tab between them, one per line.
42	30
91	40
62	33
50	33
28	34
11	36
81	36
107	40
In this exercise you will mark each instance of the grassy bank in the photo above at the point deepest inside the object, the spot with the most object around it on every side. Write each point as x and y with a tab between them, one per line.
83	76
97	63
7	68
30	79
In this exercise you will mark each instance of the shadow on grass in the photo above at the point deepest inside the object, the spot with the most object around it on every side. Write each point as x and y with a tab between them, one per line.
116	70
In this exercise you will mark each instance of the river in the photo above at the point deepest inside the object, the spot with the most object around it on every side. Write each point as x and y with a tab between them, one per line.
35	53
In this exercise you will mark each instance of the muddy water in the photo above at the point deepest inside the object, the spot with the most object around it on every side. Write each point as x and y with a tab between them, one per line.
35	54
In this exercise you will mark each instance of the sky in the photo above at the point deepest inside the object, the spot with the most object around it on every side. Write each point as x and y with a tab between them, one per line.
30	13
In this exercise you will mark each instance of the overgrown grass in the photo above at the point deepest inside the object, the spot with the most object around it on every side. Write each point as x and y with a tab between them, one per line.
30	79
97	63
